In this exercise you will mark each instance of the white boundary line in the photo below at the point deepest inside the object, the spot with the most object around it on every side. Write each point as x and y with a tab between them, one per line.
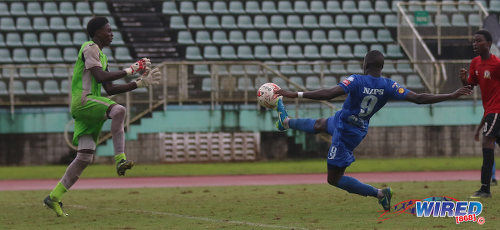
187	217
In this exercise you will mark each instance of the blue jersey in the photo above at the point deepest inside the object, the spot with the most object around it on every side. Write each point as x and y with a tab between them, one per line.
366	96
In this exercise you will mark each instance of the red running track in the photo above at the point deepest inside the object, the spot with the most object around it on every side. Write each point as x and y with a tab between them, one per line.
197	181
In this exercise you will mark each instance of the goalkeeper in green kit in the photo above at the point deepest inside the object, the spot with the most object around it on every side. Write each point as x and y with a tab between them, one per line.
90	110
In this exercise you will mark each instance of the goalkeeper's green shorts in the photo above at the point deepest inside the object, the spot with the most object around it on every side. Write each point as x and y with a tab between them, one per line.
89	117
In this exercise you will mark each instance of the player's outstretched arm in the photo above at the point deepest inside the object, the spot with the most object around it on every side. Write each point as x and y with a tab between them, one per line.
320	94
426	98
103	76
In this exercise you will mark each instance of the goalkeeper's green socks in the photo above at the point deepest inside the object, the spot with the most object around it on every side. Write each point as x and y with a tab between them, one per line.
119	158
58	192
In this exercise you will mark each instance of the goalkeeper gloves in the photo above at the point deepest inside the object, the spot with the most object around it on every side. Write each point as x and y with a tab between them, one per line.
150	77
138	66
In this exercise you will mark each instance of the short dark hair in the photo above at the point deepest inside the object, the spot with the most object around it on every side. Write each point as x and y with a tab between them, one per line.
95	24
486	34
374	59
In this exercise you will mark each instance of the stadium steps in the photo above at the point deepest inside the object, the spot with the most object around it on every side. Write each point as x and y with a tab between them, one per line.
143	29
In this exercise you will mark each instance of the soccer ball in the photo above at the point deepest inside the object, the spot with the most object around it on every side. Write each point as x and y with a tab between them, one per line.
266	96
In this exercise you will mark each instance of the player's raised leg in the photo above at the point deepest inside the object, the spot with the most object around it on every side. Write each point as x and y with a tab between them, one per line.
307	125
117	114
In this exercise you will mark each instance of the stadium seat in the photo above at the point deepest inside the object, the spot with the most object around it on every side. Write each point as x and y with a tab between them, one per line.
342	21
333	7
351	36
287	69
304	69
475	20
494	6
360	50
219	37
253	37
3	88
18	88
187	7
70	54
203	37
26	72
245	22
66	8
311	52
268	7
413	8
100	8
358	21
310	22
109	54
293	22
349	7
63	39
442	20
13	40
458	20
368	36
394	51
245	53
260	22
220	7
33	88
329	81
195	22
449	8
228	22
326	22
261	52
2	40
378	47
390	20
211	53
312	83
269	37
260	81
252	69
37	55
193	53
54	55
122	54
4	9
50	9
298	81
365	7
430	7
83	9
65	87
62	72
286	37
212	22
384	36
10	71
236	7
319	37
414	82
245	84
177	22
278	52
117	39
294	52
201	70
17	9
40	24
285	7
79	38
7	24
185	38
279	81
236	37
317	7
354	67
5	57
301	7
206	84
278	22
403	66
321	68
20	55
335	36
389	68
252	7
23	24
227	52
302	36
374	21
344	52
399	79
203	7
57	24
328	52
51	87
44	72
169	8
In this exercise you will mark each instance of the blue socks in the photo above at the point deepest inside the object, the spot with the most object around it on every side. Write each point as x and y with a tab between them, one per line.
306	125
353	185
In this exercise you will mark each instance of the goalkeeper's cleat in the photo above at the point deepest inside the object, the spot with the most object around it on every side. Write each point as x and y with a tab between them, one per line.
282	115
54	205
123	166
385	201
480	194
494	182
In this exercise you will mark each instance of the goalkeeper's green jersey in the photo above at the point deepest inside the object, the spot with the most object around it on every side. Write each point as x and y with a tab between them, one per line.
83	83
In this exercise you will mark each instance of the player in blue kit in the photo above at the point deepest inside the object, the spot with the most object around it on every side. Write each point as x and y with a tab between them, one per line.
366	95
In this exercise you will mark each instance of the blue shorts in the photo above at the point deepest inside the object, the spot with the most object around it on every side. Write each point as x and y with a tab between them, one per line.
345	138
